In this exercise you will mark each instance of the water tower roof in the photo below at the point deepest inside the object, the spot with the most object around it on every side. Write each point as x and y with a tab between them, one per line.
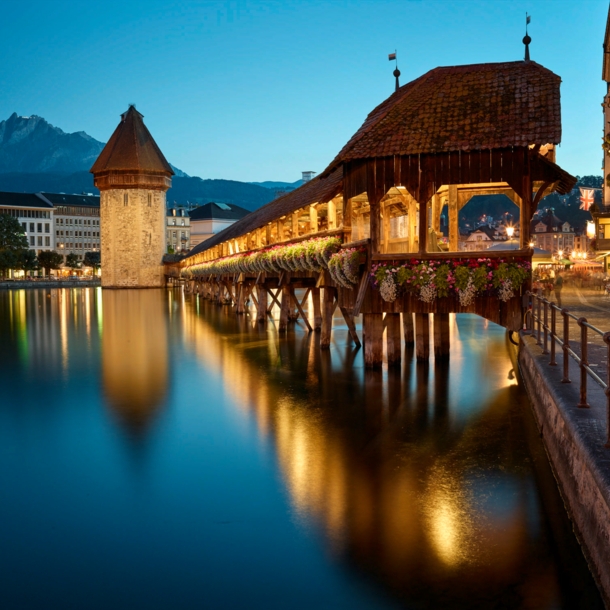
131	148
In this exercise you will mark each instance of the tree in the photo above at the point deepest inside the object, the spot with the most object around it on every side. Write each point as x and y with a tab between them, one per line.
49	259
72	261
93	259
27	260
13	242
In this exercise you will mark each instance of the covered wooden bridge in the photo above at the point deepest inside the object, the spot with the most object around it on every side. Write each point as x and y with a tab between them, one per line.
365	234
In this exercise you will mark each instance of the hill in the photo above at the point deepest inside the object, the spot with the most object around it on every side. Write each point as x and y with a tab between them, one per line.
184	189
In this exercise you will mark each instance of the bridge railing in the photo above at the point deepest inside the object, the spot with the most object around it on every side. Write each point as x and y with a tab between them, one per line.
544	319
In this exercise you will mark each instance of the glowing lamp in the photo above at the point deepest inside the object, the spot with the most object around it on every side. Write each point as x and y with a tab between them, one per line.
510	231
590	229
560	253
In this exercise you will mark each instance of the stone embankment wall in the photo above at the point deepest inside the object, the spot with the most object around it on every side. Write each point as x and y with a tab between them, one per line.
574	439
19	285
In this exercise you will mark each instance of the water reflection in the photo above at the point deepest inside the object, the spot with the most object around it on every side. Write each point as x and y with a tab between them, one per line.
421	479
134	354
295	472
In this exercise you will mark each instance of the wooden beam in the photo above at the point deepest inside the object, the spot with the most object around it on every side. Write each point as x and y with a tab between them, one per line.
313	218
350	325
327	316
332	214
284	309
300	308
454	230
407	326
373	345
317	311
261	306
394	349
422	336
441	335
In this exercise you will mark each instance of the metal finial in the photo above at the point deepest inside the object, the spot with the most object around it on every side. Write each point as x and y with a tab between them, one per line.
527	39
392	57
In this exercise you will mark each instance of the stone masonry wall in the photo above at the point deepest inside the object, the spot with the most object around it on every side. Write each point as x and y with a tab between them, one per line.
574	440
132	238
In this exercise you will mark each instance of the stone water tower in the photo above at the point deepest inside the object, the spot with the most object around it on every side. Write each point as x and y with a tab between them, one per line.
133	176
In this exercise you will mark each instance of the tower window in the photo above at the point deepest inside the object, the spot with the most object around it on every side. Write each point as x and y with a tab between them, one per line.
149	199
125	199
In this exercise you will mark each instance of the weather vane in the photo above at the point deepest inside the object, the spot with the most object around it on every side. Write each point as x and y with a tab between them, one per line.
526	38
392	57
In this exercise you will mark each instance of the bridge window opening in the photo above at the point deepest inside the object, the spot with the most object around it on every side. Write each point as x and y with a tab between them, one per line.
361	217
150	202
125	199
488	221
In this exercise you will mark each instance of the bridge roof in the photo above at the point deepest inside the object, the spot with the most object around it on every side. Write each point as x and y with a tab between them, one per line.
132	148
320	189
463	108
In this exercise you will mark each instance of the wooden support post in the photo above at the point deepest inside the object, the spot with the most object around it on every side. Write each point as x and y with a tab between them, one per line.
327	316
349	320
422	336
385	237
285	309
373	346
394	349
241	298
441	335
293	312
295	225
332	214
452	205
268	233
261	313
375	227
317	311
347	218
407	326
313	219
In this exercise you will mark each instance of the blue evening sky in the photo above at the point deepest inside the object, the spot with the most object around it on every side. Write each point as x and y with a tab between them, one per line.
261	90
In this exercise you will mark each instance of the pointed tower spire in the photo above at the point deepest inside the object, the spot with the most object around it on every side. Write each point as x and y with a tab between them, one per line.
526	38
392	56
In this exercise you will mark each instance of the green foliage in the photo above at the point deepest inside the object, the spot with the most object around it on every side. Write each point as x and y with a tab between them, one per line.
13	243
49	259
442	280
11	234
93	259
27	260
72	261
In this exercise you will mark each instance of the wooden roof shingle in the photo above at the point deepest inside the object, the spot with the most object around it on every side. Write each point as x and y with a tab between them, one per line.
463	108
320	189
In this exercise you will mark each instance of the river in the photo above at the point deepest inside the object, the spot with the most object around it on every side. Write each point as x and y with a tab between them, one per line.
158	451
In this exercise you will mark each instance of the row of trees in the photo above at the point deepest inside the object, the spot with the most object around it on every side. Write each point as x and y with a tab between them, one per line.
15	253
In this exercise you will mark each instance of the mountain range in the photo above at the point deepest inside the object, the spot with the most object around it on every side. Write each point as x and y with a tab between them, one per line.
37	156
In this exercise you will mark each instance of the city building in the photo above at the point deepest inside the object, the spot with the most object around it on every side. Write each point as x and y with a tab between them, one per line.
178	232
211	218
77	223
553	234
35	213
133	177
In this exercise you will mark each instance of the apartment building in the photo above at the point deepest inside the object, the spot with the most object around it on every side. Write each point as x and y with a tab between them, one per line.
35	213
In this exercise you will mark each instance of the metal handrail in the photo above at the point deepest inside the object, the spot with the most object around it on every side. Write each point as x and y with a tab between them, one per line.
538	312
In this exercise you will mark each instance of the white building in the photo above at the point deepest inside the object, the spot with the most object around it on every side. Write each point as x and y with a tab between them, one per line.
77	222
178	230
35	213
211	218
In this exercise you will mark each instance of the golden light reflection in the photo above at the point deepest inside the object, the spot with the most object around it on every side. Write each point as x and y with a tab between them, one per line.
345	463
134	354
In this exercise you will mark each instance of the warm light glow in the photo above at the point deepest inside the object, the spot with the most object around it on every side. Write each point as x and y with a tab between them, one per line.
574	254
590	229
510	231
531	244
560	253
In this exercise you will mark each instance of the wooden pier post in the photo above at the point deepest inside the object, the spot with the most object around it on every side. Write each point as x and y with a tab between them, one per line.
327	316
441	335
407	325
373	346
317	310
284	309
392	324
293	313
422	336
261	309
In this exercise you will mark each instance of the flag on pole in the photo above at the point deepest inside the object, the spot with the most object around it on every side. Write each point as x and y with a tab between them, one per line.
528	19
392	56
587	197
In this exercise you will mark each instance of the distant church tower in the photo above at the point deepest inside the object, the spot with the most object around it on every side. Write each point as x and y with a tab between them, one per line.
133	176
